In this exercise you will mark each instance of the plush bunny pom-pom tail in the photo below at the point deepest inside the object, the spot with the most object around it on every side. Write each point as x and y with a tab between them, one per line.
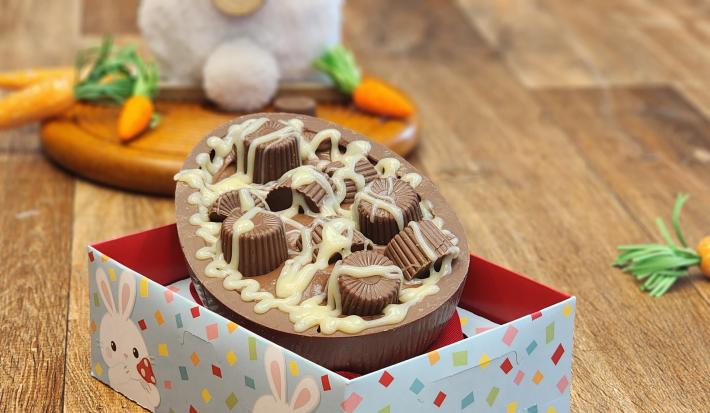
240	75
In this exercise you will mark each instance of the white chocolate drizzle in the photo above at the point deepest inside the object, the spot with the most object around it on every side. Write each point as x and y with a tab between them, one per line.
338	225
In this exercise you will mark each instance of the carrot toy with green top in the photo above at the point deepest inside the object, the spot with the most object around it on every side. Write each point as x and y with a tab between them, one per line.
368	94
660	265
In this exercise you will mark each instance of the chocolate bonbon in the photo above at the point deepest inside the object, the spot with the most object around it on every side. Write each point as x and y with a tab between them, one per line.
260	241
298	304
385	207
366	295
302	105
270	154
418	247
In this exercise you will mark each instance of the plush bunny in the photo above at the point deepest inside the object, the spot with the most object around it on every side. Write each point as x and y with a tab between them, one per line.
305	398
122	347
238	49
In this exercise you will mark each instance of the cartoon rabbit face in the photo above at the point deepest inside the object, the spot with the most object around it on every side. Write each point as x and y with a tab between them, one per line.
304	399
122	345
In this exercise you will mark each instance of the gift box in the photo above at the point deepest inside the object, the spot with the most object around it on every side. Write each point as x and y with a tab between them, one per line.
152	342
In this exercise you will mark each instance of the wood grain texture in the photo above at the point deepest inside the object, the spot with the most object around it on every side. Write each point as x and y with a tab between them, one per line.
84	140
555	129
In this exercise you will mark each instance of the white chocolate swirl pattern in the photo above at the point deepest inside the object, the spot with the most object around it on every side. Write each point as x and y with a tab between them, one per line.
338	223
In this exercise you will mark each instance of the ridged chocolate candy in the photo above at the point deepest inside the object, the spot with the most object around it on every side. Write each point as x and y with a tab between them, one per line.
273	158
408	252
362	167
381	225
262	248
281	197
359	243
228	202
366	296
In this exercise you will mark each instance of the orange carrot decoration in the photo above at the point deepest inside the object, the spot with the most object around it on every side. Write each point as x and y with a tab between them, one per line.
371	95
138	111
19	79
103	74
660	265
45	98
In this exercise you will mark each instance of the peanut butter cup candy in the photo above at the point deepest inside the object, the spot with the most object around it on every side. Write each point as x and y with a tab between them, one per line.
260	241
229	201
366	296
273	155
314	193
384	207
417	247
362	167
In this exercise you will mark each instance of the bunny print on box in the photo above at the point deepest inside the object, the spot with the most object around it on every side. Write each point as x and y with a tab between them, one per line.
124	351
238	50
305	397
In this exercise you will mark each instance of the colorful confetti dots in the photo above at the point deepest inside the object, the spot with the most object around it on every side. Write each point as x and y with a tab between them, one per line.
98	369
551	409
506	366
536	315
512	407
252	348
557	355
510	335
249	382
195	358
531	347
537	378
562	384
183	373
231	401
460	358
492	396
168	384
550	333
567	310
325	382
385	409
416	387
142	324
91	256
231	326
231	358
178	320
386	379
159	318
168	296
195	312
293	368
484	361
212	331
206	396
351	403
216	371
519	378
467	401
439	400
143	287
433	357
532	409
163	350
112	274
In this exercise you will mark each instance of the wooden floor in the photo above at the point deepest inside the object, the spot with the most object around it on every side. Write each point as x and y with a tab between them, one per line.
557	129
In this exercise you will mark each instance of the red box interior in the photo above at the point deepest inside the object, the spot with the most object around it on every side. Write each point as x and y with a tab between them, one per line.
491	291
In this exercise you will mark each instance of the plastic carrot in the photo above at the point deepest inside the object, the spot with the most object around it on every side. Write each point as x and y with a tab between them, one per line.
660	265
369	94
19	79
46	98
138	111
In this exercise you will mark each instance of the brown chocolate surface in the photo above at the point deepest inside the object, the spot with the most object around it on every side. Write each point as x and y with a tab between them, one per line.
339	350
360	242
272	159
302	105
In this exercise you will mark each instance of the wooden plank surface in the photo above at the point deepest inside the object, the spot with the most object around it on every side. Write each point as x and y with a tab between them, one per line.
556	130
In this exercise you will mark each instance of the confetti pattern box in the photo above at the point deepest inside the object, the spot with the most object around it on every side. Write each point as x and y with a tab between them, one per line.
162	350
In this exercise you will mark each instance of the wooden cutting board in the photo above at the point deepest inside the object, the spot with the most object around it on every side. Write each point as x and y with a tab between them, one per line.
84	140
